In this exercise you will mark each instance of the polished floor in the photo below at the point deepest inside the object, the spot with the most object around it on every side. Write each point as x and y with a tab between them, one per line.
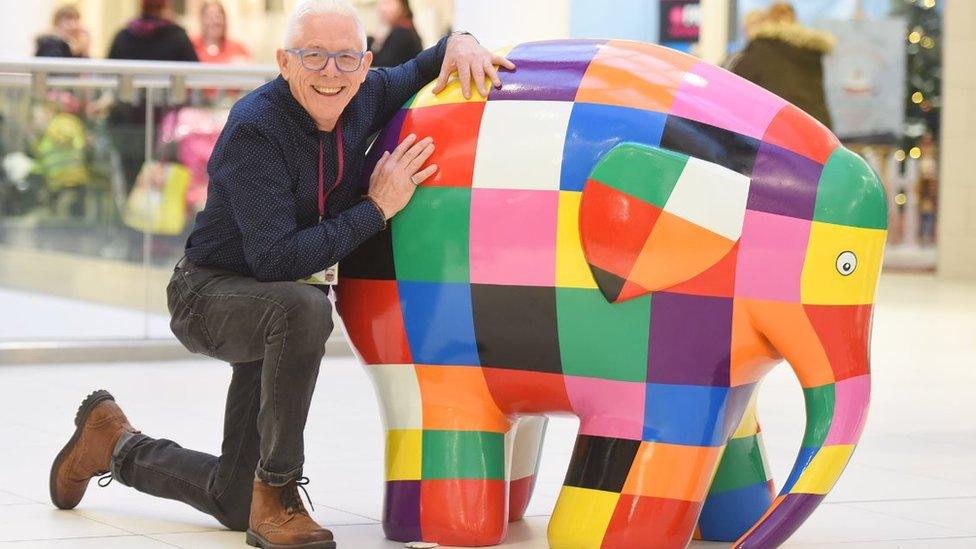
911	483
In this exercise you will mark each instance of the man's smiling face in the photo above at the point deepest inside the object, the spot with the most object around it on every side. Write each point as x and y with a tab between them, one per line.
324	93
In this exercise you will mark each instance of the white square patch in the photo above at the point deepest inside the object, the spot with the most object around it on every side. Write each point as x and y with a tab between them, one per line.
710	196
398	391
520	145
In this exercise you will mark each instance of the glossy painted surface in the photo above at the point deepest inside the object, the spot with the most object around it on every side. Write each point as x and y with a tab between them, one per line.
626	234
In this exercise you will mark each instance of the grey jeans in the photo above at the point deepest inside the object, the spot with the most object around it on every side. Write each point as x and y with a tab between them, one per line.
273	334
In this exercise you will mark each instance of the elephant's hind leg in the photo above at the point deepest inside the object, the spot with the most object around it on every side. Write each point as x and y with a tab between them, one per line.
526	451
629	494
446	478
742	489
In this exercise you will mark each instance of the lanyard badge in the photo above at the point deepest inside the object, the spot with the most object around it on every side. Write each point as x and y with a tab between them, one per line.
329	276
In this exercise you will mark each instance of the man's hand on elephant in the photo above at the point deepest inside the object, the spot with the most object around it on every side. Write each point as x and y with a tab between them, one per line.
398	173
471	61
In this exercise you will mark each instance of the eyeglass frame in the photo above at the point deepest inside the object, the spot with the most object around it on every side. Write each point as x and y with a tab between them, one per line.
329	56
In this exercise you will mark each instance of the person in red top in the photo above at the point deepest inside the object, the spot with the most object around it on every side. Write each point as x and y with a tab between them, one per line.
213	45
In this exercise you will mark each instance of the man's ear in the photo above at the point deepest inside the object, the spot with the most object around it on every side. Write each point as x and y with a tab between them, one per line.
367	63
282	57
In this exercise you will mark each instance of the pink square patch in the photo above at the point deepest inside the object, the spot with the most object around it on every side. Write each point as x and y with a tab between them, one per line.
717	97
513	237
771	254
608	408
850	410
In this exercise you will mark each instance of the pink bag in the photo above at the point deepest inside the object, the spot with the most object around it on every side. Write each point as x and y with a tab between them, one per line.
191	133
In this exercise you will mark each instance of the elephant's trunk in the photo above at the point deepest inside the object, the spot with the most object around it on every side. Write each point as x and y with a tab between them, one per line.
836	389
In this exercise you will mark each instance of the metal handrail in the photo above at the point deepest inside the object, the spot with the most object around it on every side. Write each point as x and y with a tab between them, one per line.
127	76
48	65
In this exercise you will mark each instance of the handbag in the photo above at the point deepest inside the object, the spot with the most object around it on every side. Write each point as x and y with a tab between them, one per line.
157	202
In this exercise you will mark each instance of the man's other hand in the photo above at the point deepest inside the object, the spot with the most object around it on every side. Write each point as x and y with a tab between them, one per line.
471	61
397	174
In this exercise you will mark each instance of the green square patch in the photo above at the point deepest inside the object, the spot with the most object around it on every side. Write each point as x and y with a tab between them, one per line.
600	339
642	171
742	465
850	193
819	405
430	236
463	455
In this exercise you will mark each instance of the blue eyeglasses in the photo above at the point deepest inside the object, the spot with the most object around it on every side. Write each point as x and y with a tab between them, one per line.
315	59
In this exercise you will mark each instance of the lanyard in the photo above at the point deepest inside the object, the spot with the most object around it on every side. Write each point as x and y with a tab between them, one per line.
323	195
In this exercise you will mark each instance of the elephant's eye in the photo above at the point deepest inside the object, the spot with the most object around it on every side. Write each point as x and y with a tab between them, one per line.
846	263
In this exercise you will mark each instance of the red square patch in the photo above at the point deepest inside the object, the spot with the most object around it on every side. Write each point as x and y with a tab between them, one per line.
454	127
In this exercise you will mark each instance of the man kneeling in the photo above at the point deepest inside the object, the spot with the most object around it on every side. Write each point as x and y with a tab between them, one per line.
282	206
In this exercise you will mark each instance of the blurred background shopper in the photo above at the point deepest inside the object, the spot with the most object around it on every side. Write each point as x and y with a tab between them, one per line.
786	58
401	42
152	36
67	37
213	45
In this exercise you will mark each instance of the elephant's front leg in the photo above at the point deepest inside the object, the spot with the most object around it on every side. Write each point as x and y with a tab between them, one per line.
445	456
742	489
629	494
639	481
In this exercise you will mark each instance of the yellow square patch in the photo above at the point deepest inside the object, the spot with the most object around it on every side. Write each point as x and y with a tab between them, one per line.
403	454
581	517
842	265
824	470
571	268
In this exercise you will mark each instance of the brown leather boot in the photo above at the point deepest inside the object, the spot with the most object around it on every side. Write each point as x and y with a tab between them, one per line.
98	425
279	520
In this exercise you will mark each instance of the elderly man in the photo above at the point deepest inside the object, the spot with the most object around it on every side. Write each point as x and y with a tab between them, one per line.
282	207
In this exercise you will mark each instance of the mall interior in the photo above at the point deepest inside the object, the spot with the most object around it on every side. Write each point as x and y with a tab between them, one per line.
104	168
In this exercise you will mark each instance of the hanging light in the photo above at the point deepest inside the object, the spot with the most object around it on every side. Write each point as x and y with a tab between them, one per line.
928	43
915	152
900	155
917	97
901	199
928	4
914	37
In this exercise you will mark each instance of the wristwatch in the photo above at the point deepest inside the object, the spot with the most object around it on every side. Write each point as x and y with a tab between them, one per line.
458	33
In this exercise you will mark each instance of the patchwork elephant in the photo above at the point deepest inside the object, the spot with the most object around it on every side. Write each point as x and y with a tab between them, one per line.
630	235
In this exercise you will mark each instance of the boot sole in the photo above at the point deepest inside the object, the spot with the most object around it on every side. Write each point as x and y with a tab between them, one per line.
81	417
255	540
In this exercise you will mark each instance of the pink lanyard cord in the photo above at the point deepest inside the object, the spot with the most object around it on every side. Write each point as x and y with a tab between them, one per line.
342	166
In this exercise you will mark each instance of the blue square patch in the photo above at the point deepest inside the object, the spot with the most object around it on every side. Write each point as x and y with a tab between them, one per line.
439	323
595	129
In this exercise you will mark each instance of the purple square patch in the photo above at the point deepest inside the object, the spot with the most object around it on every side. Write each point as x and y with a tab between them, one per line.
784	183
401	512
691	340
546	71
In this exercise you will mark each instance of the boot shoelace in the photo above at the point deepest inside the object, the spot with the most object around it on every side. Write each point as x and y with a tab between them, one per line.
105	479
292	501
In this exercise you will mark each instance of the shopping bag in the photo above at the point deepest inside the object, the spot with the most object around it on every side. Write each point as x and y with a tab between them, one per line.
157	202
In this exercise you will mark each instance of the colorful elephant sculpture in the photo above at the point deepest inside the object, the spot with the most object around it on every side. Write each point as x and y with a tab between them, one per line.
633	236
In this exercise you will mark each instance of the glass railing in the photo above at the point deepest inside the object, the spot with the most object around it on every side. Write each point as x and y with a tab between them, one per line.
102	169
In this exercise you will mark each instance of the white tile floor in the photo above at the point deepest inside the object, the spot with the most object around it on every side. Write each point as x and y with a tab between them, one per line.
912	481
33	316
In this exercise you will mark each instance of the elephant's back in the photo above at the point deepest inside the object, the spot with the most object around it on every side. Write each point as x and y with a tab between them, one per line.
495	234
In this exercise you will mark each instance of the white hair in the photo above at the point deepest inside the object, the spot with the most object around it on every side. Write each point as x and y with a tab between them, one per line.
315	7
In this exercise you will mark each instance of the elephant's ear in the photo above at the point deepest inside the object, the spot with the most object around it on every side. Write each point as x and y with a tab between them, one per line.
652	218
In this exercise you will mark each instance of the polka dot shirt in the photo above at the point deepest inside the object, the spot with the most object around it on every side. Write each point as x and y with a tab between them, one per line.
261	218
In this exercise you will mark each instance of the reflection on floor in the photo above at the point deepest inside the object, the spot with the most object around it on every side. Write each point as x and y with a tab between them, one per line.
29	316
911	482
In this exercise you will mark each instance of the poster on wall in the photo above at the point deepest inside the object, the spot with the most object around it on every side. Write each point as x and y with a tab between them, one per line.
864	79
679	21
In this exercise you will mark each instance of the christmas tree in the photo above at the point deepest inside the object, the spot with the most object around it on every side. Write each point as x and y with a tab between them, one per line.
923	96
